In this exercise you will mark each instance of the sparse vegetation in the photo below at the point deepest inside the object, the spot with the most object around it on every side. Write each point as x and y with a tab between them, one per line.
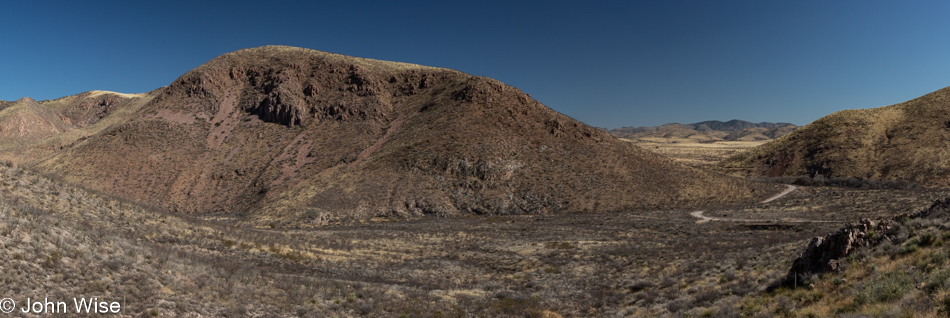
878	280
290	137
633	264
503	265
850	182
906	141
693	153
324	186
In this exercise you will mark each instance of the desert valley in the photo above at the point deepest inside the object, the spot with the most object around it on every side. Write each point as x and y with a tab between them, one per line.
289	182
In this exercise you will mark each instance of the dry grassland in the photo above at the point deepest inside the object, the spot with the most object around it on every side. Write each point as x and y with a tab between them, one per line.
62	240
692	152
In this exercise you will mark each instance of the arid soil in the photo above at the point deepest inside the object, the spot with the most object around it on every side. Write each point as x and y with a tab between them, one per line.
636	263
702	218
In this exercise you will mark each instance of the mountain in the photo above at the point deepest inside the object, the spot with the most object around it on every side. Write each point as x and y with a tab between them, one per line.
32	131
90	108
909	141
286	134
760	133
735	125
25	120
713	130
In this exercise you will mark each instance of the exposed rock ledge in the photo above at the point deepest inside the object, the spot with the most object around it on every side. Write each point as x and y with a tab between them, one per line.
824	254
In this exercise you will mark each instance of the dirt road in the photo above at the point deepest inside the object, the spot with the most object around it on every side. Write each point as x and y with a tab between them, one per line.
789	188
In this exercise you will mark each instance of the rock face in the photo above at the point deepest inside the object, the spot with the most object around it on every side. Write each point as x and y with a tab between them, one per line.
297	136
823	254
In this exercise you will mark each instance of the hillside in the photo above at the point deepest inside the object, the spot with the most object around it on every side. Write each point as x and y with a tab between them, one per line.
32	131
909	141
90	108
895	267
25	121
708	131
760	133
735	125
310	137
61	240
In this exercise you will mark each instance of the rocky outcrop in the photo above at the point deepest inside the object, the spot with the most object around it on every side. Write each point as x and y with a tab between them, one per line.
281	107
824	254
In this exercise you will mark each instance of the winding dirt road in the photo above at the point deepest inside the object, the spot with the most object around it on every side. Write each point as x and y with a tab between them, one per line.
789	188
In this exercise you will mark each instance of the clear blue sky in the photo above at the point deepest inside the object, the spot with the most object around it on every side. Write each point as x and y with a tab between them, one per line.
607	63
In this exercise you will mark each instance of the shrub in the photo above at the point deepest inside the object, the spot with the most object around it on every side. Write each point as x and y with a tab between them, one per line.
785	306
639	285
885	288
516	304
560	245
365	309
678	304
909	247
856	183
926	239
706	297
945	302
886	247
937	281
938	258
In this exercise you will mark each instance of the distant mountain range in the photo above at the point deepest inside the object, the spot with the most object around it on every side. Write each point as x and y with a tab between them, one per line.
712	130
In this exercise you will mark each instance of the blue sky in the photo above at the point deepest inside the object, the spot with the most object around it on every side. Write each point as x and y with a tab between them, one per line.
607	63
